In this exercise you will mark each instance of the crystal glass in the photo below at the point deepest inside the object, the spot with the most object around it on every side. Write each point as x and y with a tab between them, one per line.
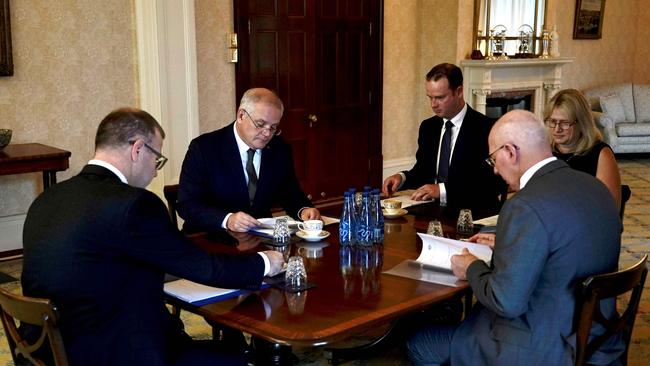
281	233
435	228
296	275
465	223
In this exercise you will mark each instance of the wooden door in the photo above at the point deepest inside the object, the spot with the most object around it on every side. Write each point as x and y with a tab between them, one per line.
323	57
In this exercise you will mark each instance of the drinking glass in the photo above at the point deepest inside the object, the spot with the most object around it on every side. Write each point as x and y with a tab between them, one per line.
465	224
435	228
281	233
296	275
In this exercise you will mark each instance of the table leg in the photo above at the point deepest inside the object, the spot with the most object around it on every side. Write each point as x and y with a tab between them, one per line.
49	178
268	353
336	356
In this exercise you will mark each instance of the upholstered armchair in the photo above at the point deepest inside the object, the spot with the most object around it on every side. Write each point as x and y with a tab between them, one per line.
622	112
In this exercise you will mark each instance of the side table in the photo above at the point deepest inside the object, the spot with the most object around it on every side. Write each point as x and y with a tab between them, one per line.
34	157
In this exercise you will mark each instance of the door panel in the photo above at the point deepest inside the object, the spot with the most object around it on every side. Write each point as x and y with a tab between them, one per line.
324	61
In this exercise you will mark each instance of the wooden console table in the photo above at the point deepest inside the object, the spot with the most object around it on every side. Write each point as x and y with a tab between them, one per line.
29	158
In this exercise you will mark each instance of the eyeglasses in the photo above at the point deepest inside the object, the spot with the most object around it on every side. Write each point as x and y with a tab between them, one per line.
160	158
564	124
490	159
273	130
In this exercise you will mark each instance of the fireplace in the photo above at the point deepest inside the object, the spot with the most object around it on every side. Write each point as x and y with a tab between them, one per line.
502	85
499	103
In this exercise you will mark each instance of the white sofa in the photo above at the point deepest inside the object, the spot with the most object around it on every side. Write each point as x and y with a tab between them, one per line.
622	112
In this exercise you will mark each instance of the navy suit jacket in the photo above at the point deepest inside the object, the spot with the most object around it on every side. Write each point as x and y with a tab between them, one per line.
212	182
561	228
99	249
471	183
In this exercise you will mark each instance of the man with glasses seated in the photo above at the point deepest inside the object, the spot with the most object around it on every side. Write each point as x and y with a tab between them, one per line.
232	176
548	239
99	244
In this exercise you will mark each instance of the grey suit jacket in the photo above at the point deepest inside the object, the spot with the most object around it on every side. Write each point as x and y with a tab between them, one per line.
562	227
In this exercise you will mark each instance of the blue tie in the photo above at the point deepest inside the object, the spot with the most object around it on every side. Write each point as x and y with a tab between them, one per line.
445	152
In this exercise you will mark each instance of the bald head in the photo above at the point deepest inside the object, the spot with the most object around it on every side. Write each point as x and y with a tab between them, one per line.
525	130
524	140
260	96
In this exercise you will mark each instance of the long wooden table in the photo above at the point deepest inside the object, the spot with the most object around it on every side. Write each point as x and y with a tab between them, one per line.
33	157
351	295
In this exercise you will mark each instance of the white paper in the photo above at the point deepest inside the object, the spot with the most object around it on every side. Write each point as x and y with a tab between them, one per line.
405	198
191	291
437	251
488	221
269	225
329	220
414	270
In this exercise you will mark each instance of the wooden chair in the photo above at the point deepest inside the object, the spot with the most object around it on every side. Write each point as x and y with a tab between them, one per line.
626	192
38	312
171	195
605	286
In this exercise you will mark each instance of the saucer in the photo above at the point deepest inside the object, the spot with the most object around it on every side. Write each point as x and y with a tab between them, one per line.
399	213
303	235
313	245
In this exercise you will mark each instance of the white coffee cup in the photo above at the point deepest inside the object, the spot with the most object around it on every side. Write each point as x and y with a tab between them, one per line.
311	227
392	207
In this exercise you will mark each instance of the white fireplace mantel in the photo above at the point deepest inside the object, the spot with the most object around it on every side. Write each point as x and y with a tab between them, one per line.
482	78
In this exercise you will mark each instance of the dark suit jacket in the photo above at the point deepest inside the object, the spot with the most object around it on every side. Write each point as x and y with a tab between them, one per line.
212	181
562	227
99	249
471	182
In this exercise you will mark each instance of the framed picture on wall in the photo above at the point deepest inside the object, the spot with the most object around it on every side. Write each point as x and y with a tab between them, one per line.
6	61
588	23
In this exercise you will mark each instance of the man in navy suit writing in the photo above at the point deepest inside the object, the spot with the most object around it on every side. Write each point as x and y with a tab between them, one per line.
238	173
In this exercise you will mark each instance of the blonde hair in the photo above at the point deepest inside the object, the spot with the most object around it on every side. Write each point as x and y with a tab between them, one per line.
575	105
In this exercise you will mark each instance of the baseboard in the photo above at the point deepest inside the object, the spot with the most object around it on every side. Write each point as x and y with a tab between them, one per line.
397	165
11	228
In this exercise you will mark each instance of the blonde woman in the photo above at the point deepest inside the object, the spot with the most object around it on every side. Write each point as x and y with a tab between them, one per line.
576	139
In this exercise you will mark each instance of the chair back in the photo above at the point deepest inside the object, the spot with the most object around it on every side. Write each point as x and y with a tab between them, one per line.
626	192
605	286
171	195
38	312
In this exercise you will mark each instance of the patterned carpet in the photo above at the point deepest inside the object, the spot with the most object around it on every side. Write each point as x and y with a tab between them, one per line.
636	242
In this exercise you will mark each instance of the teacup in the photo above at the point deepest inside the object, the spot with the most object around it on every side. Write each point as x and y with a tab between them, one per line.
392	206
312	228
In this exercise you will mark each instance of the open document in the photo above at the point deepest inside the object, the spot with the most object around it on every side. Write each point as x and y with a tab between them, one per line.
268	224
198	294
405	198
434	263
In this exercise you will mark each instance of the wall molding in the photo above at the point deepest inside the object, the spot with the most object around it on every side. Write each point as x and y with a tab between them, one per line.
11	228
393	166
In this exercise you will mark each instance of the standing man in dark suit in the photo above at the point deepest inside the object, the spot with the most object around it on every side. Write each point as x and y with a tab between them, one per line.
99	245
559	228
451	147
238	173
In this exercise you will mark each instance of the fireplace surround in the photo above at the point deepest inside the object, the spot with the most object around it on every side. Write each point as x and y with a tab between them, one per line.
513	79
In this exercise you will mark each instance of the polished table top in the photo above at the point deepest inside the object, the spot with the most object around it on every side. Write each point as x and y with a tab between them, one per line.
351	294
